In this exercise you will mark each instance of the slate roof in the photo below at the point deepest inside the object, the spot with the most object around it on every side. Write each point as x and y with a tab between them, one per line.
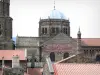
8	54
76	69
27	41
33	41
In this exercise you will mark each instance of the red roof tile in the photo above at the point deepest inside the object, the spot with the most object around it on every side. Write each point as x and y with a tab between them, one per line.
8	54
1	73
91	41
26	74
34	71
76	69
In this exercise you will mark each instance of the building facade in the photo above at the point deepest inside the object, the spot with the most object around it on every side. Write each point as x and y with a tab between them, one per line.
54	40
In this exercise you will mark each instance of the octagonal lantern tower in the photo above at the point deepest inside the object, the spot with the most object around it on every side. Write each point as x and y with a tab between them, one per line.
53	23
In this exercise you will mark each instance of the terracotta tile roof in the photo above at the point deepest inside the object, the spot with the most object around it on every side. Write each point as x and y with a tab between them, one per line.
7	54
76	69
91	41
34	71
26	74
1	73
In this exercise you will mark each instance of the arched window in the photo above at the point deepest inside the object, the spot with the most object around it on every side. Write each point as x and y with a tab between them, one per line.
0	26
66	30
53	30
86	52
98	57
0	32
52	56
45	31
66	55
0	29
42	30
57	30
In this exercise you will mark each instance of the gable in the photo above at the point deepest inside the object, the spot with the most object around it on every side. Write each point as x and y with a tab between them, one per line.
60	42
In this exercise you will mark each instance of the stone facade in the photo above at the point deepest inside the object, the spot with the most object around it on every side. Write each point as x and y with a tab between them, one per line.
51	27
54	41
5	26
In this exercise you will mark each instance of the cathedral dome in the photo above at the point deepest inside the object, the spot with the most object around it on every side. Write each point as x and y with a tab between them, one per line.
54	14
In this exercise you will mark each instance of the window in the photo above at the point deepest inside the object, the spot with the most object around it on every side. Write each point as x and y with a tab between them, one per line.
98	57
0	29
66	30
45	30
0	32
86	52
0	26
53	30
42	30
52	56
66	55
57	30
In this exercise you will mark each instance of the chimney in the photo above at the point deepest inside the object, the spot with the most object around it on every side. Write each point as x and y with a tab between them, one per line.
15	61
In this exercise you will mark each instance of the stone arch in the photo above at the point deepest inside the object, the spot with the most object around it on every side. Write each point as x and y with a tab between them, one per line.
52	56
66	55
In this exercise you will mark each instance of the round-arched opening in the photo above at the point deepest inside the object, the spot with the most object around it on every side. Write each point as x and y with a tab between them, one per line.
66	55
52	56
98	57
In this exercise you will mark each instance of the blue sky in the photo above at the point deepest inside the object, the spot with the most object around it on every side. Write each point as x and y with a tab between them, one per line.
83	13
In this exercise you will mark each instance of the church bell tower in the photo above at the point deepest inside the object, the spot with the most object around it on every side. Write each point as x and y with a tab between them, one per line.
5	25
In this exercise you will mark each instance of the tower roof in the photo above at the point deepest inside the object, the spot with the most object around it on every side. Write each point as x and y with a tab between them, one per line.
54	14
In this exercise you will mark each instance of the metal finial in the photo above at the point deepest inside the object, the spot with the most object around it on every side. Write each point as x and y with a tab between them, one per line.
54	5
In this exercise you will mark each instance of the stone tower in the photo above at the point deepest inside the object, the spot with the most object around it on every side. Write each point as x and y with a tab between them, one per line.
54	23
5	25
